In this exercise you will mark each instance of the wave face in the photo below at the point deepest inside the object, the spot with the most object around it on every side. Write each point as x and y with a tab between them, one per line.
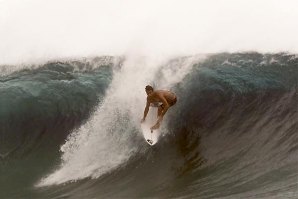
232	133
40	106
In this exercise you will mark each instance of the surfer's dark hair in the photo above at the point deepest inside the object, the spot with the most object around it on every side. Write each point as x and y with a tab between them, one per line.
148	88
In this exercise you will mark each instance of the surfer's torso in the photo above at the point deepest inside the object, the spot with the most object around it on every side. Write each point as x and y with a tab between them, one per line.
155	97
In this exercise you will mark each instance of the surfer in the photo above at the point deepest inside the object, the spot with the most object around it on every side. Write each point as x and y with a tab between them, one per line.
162	99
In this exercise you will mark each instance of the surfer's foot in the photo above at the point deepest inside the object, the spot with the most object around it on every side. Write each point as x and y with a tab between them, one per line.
156	126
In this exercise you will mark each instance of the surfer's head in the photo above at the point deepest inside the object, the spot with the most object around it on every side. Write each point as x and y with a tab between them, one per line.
148	89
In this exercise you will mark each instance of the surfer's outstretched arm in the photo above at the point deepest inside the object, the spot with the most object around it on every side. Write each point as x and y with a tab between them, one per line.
146	111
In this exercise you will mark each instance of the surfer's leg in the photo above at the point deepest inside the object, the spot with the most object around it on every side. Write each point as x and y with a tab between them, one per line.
159	110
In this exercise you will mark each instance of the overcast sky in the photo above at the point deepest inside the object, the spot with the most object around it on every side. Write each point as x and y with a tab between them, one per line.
46	29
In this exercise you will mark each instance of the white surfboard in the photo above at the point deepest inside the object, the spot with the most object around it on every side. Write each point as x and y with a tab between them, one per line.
150	137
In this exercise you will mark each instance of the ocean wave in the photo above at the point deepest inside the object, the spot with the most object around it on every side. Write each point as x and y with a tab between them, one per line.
52	99
232	133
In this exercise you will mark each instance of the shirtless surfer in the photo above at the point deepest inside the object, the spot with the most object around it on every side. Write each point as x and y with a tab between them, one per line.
162	99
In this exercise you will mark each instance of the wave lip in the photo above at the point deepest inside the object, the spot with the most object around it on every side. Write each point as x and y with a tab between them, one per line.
56	97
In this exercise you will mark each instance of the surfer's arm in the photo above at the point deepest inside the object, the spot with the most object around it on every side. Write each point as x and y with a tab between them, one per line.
146	111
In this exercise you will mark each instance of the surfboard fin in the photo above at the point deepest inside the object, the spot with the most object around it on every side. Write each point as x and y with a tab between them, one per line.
150	141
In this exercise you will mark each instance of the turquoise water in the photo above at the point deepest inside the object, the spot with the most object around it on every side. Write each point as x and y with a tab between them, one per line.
232	134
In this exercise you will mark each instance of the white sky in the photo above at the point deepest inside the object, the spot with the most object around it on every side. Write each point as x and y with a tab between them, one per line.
33	30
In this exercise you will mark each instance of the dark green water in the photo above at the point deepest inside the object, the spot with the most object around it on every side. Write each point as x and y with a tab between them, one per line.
232	134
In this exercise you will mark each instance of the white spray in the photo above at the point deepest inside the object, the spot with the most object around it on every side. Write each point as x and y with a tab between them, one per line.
104	142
